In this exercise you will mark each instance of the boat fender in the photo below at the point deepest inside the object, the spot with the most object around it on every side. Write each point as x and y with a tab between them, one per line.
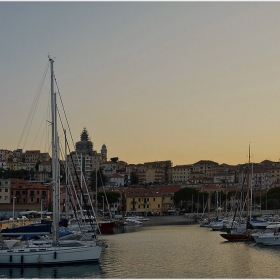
55	255
21	258
11	258
40	259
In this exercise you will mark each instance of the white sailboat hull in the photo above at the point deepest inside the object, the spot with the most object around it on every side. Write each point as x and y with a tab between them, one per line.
50	255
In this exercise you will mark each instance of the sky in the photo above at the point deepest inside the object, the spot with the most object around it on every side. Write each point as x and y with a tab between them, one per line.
153	81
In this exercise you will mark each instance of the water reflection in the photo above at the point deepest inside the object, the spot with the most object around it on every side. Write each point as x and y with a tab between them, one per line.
90	270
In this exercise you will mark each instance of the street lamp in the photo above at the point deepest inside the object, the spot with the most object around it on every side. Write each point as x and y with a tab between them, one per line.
42	200
14	211
103	205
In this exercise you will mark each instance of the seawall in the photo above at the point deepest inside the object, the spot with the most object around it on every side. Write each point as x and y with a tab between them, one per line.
168	220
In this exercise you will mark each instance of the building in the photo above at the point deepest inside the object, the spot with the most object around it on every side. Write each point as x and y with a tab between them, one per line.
84	158
30	193
5	190
150	201
155	175
181	173
117	180
109	168
4	154
204	165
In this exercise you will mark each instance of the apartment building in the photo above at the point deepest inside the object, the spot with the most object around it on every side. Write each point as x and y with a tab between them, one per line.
154	175
121	165
45	166
29	193
117	180
146	201
161	164
5	190
204	165
4	154
181	173
143	201
109	168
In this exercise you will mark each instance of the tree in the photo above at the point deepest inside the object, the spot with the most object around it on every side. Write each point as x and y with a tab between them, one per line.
37	165
134	180
184	195
111	196
114	159
16	174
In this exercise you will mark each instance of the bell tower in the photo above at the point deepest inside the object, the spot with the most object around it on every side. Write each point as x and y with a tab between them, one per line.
103	153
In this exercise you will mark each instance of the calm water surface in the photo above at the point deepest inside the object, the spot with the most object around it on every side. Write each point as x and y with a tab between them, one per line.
183	251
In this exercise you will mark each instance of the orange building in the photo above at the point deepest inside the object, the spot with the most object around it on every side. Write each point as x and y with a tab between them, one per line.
30	193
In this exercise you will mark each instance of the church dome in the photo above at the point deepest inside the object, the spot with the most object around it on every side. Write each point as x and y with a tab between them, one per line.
85	145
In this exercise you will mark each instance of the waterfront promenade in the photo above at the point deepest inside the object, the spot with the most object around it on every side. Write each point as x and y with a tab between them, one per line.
168	220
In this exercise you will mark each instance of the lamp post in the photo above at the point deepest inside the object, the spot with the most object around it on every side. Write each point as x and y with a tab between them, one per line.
42	200
14	211
266	200
103	205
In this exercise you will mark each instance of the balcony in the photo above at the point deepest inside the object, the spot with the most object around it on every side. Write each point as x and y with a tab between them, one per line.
133	202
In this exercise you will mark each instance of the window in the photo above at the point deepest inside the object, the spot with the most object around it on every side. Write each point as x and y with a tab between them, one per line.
154	199
6	197
158	205
6	190
138	206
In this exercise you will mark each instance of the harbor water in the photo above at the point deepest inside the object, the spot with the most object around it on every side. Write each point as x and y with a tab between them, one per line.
168	251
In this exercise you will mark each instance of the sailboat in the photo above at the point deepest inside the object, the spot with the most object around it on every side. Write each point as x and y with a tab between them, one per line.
51	251
236	235
105	226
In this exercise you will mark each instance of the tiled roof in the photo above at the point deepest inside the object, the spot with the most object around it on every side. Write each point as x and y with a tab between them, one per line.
33	152
20	182
142	192
206	162
117	176
182	166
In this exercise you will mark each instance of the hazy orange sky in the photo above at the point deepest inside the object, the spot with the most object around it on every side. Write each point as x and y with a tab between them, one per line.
179	81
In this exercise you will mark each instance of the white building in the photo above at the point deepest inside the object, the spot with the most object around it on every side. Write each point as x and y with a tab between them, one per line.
117	180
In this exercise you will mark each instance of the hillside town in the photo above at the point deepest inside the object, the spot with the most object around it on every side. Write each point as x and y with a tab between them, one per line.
145	188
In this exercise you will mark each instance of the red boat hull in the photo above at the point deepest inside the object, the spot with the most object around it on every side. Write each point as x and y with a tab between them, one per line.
106	225
236	236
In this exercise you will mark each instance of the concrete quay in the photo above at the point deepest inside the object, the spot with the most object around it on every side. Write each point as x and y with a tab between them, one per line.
168	220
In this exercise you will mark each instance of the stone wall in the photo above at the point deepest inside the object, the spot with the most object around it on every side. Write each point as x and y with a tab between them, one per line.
20	207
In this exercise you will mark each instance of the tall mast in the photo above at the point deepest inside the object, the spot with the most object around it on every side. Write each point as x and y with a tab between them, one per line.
248	188
96	186
54	157
66	180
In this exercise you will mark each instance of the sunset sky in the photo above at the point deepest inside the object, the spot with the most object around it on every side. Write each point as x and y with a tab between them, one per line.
153	81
